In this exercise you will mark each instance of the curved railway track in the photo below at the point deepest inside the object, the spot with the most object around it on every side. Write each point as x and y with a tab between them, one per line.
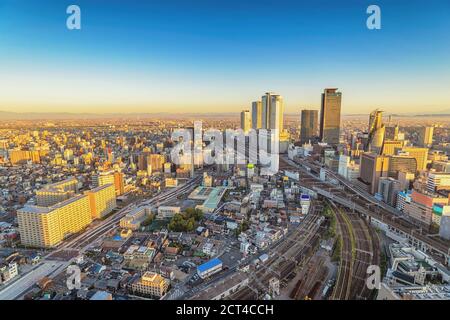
284	258
360	249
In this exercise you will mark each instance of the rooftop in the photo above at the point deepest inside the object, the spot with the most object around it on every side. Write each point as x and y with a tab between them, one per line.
209	264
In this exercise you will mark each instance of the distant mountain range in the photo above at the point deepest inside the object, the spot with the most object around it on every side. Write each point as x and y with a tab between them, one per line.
7	115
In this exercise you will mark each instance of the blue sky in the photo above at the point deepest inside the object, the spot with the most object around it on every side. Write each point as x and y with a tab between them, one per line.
215	55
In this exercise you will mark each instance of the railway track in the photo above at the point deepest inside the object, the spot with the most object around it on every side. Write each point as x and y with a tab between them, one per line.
359	250
285	257
363	201
344	279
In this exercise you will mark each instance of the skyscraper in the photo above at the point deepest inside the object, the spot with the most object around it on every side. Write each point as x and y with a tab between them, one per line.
246	121
256	115
376	132
272	111
372	167
330	116
426	136
309	125
420	154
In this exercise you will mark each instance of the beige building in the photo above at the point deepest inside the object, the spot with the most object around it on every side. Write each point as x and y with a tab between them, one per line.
54	193
272	113
47	226
420	154
22	156
426	136
150	284
246	121
389	147
102	200
113	177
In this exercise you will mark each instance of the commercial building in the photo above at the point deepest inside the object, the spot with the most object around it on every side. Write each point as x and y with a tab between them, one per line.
209	268
272	111
438	181
388	188
406	179
256	115
133	219
389	146
403	197
412	274
151	284
223	288
372	167
330	116
165	212
401	164
246	121
211	197
309	125
421	206
439	210
420	154
426	136
376	132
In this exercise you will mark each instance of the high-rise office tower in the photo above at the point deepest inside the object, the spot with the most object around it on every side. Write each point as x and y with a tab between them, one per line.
246	121
309	125
272	111
426	136
330	116
396	132
256	115
376	132
420	154
372	167
401	163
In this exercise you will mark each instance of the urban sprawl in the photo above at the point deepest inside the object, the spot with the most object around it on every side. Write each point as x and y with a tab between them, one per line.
98	209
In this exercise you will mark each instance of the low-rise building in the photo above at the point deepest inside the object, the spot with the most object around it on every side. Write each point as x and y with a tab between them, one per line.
150	284
209	268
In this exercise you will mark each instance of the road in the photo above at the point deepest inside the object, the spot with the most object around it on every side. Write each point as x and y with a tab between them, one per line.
51	268
23	284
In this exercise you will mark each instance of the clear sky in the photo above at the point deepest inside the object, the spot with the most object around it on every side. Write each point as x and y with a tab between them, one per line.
219	55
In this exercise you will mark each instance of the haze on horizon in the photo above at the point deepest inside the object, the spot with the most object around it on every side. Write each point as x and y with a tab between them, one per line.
202	57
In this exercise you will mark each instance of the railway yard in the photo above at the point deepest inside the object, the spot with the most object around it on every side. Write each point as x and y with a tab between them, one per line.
287	258
359	250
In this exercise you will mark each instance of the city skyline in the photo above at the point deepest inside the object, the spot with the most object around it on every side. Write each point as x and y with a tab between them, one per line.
215	56
252	153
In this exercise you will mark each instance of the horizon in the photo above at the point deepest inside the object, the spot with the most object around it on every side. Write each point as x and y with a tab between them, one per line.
217	55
